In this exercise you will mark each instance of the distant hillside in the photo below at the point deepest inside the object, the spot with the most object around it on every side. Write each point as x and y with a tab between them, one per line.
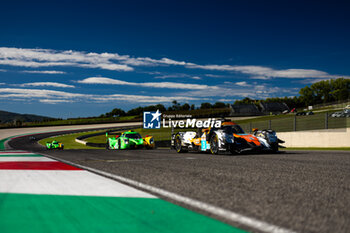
7	117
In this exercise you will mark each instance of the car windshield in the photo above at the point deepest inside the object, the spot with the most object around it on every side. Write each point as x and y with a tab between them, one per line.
231	129
133	136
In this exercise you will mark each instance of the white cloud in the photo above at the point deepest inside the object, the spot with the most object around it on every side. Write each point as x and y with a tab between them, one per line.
50	96
170	85
178	76
2	83
232	90
35	58
54	101
47	58
3	70
242	84
142	98
37	93
260	72
43	72
49	84
225	100
215	76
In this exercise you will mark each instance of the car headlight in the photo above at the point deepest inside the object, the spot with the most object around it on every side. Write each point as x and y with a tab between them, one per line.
151	141
126	141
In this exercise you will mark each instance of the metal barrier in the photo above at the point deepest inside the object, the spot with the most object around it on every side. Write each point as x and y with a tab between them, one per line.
299	123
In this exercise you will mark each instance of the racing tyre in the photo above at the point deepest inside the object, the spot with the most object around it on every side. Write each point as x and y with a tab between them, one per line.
214	145
118	145
178	146
107	145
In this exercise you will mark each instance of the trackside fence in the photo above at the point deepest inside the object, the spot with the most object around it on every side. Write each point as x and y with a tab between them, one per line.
299	123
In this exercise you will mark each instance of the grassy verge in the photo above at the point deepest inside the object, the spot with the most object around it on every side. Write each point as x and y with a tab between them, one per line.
69	140
161	134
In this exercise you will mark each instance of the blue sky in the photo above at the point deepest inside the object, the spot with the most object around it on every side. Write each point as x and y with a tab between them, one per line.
84	58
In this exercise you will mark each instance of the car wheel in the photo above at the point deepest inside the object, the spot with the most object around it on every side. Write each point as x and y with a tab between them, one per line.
214	145
178	145
107	145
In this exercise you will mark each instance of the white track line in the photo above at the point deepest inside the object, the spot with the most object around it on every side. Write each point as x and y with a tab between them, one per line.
16	153
226	214
26	159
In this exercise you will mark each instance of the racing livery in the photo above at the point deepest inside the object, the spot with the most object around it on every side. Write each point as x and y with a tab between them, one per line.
129	140
54	145
230	137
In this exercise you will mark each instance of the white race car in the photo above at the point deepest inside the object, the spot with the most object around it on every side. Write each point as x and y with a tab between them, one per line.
230	137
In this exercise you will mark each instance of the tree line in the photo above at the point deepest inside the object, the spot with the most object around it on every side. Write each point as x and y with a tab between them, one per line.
117	112
317	93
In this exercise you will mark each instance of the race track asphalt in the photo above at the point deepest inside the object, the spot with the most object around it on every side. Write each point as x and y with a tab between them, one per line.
304	191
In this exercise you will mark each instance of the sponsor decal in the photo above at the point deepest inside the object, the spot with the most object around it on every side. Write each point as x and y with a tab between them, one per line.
151	120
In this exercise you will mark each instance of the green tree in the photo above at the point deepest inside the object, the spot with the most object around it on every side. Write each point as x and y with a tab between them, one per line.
176	106
185	107
206	105
219	105
306	96
117	112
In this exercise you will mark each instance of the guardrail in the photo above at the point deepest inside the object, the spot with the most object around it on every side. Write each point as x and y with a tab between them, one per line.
317	121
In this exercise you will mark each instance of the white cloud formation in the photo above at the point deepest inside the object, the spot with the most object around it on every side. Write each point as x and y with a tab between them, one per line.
37	93
225	100
47	57
55	101
51	96
170	85
260	72
35	58
48	84
177	76
43	72
232	90
242	84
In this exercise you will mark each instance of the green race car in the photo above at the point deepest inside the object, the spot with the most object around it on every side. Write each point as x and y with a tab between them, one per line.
129	140
54	145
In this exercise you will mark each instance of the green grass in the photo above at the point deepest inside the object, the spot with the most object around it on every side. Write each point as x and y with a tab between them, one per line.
69	140
162	134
